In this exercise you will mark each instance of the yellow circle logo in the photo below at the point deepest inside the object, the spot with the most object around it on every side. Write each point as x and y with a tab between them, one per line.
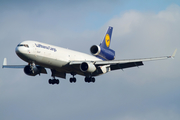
107	40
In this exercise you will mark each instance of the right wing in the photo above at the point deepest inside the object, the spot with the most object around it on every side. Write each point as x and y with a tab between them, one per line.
11	66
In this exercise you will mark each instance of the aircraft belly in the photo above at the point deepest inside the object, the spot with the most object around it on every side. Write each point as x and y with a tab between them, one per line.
76	69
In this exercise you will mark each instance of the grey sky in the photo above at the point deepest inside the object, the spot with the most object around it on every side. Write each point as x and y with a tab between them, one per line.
140	30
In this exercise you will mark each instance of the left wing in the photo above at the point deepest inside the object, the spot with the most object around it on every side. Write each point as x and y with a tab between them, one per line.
121	64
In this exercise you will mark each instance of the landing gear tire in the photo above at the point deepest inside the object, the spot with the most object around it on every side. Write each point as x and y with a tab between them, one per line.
93	80
50	81
87	79
74	80
70	80
57	81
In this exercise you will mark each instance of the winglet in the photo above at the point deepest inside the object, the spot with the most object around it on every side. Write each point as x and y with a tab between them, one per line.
4	62
174	53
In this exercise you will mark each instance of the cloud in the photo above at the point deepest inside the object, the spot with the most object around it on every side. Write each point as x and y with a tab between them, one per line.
145	34
147	28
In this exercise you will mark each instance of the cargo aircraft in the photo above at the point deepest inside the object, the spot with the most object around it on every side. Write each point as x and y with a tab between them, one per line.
63	61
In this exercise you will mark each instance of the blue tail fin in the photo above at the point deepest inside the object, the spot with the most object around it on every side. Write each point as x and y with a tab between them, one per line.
103	51
107	39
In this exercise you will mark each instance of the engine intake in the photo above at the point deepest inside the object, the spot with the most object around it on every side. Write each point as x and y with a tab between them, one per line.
95	49
34	70
104	53
87	67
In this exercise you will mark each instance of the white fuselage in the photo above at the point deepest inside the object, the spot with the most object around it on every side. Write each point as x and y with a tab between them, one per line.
50	56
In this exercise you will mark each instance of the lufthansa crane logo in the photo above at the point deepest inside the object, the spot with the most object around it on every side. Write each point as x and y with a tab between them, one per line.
107	40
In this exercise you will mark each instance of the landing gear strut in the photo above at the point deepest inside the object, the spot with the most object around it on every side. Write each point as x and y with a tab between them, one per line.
54	80
72	79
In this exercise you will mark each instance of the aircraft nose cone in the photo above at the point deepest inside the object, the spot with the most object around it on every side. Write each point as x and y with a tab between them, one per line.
17	50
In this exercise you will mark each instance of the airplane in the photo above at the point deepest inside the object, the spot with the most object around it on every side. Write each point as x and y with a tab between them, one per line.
63	61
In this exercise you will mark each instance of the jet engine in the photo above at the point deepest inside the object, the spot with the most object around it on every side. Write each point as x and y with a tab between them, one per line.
87	67
104	53
34	70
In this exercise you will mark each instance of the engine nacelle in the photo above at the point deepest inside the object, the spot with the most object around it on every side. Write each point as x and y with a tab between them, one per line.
34	70
95	49
31	72
87	67
106	54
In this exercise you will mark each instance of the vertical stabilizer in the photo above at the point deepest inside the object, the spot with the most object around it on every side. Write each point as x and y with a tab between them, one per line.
103	51
107	39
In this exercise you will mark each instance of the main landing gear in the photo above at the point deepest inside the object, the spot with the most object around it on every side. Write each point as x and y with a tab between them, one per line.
89	79
86	79
72	79
53	81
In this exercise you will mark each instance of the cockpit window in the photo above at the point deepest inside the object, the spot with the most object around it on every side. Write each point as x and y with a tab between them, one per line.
25	45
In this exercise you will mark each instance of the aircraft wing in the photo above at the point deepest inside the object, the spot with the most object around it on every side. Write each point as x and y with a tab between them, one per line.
130	60
121	64
11	66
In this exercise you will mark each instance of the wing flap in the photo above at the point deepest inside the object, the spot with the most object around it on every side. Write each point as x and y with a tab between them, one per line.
125	65
99	63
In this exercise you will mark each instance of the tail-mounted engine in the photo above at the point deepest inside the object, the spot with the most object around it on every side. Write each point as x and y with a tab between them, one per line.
104	53
87	67
34	70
